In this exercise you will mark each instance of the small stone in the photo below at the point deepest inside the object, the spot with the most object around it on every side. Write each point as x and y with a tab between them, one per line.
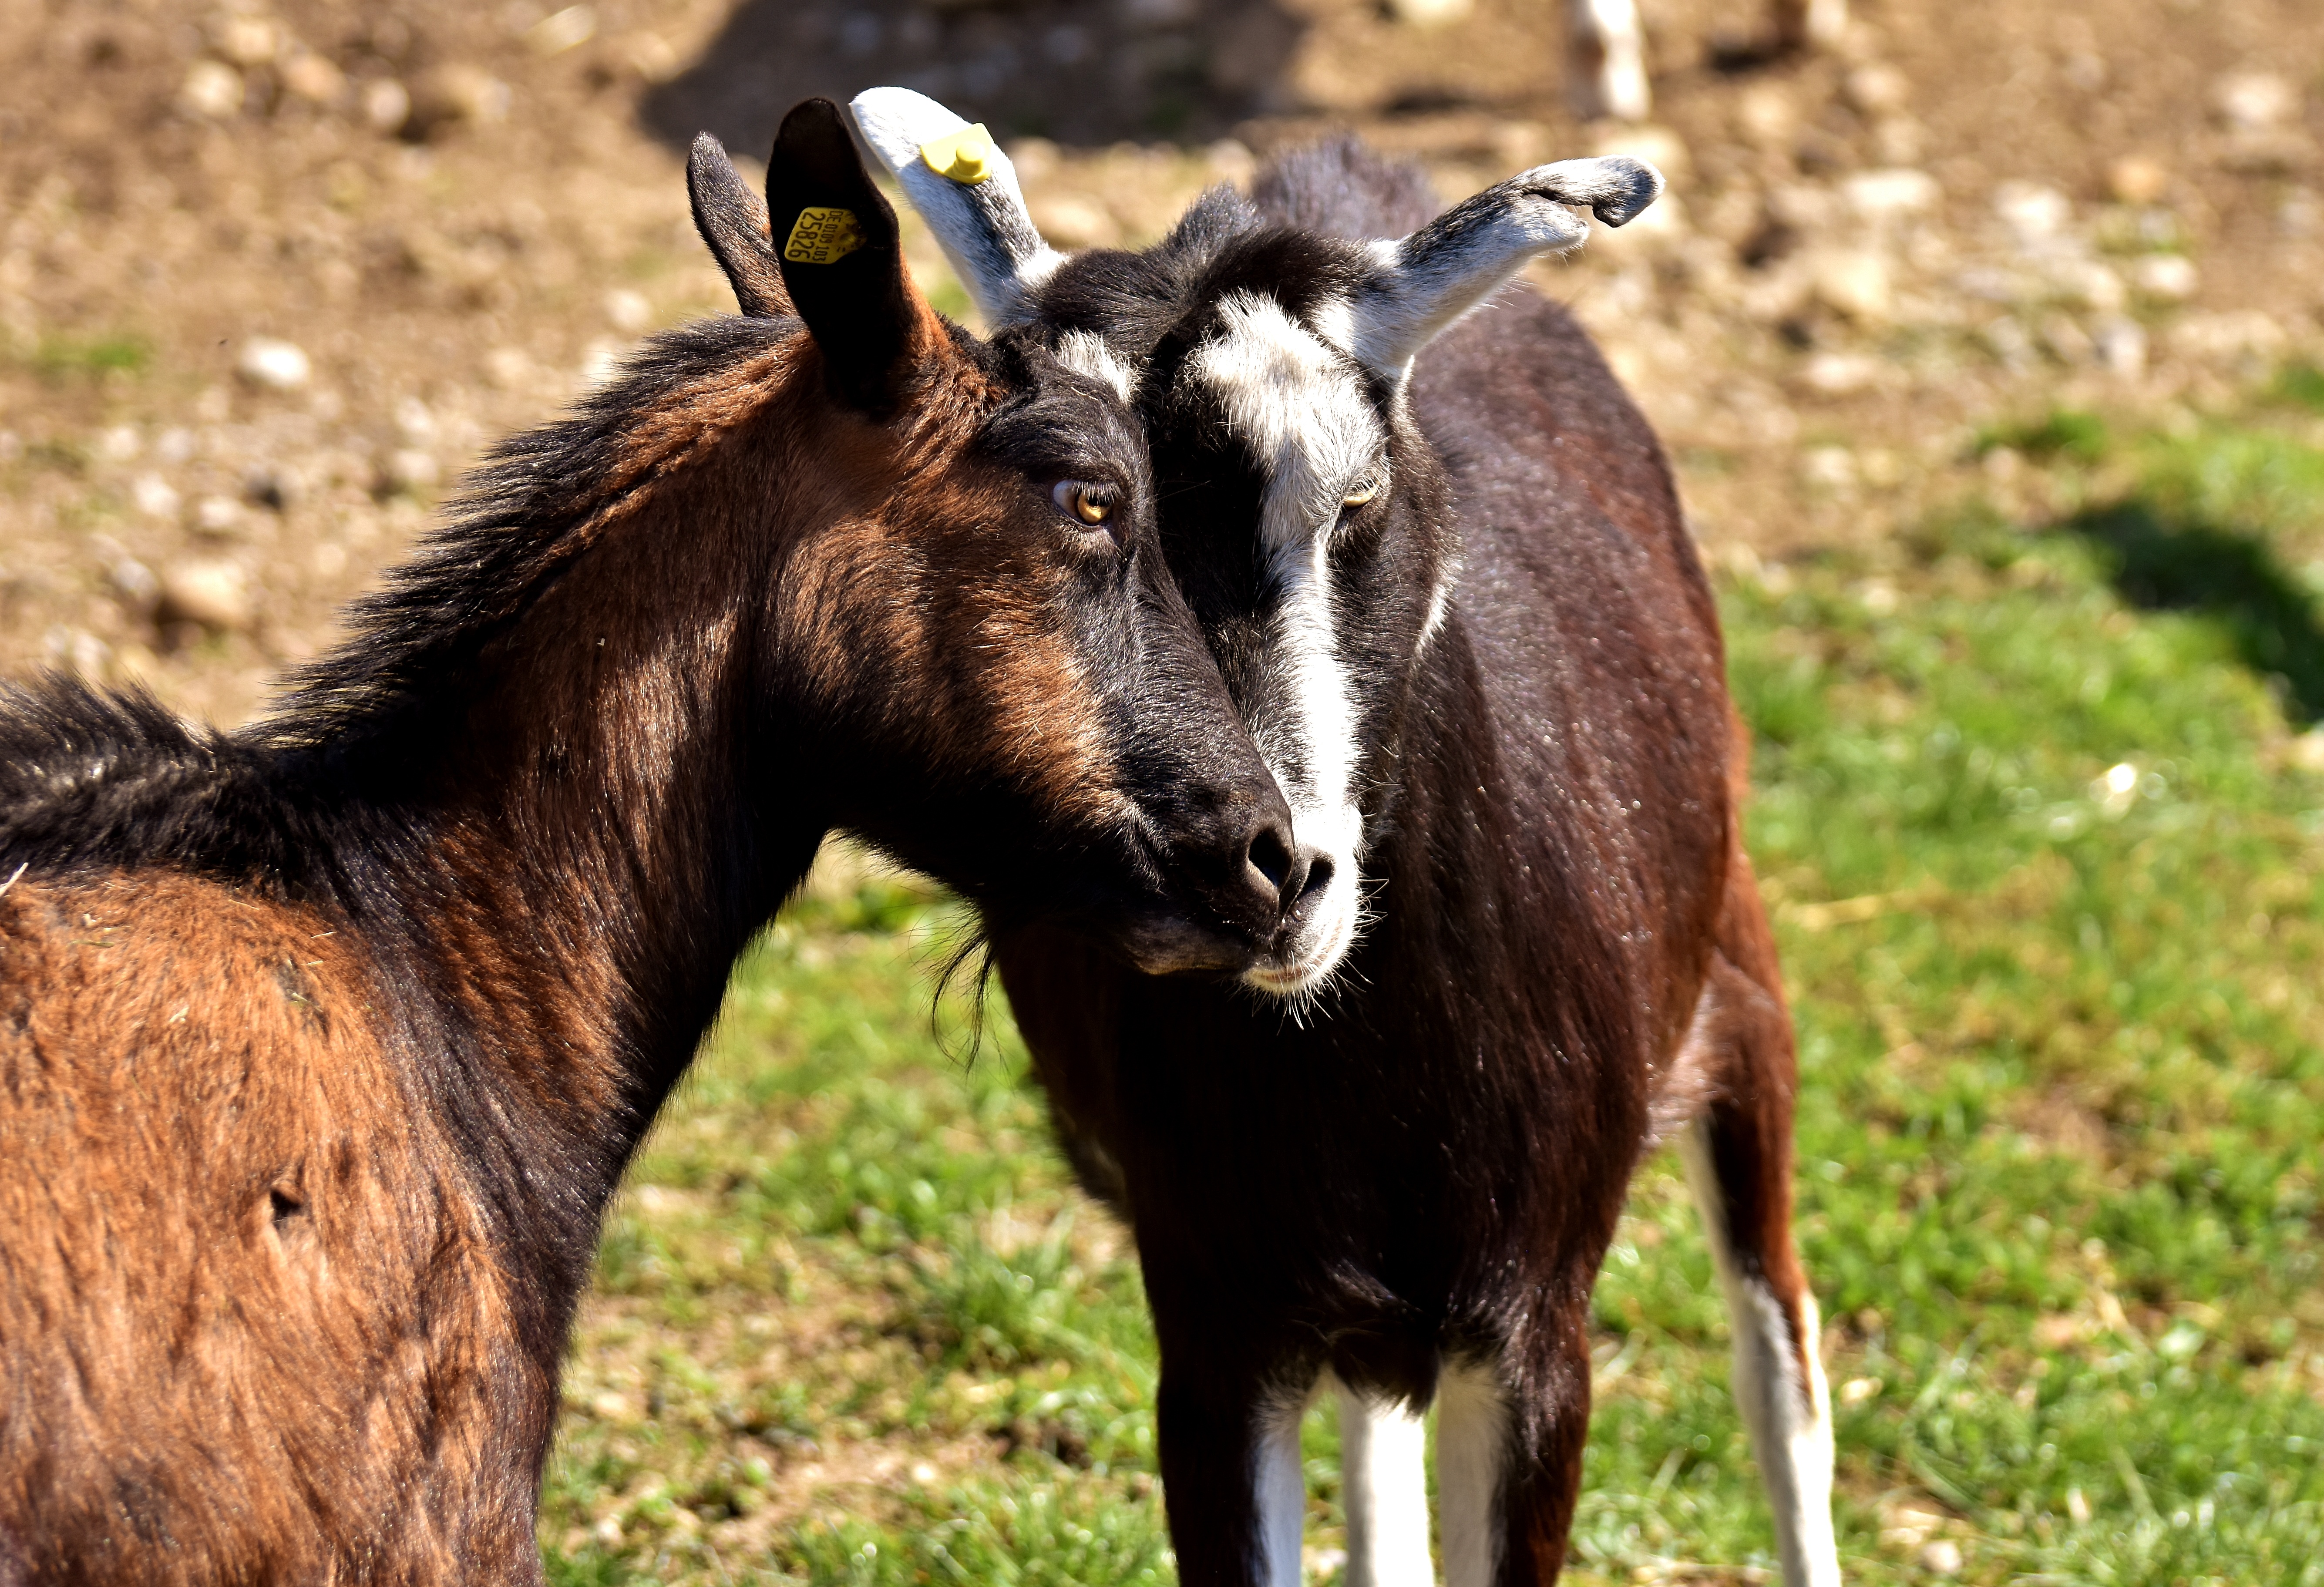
564	30
1943	1557
153	496
1831	469
1855	282
507	367
279	486
136	585
386	105
2066	339
212	90
1841	375
2036	216
276	365
410	469
2169	278
78	650
2135	179
458	92
629	312
1876	89
2254	101
213	593
1892	195
121	443
218	515
2087	283
246	40
1429	14
1766	116
2121	345
314	79
414	422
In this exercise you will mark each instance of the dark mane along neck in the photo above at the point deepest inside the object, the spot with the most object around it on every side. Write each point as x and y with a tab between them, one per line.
524	757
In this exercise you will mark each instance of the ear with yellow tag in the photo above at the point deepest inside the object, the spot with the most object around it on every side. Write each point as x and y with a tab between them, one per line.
836	244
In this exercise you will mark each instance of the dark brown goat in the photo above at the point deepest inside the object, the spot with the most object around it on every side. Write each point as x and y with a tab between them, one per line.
1452	593
323	1044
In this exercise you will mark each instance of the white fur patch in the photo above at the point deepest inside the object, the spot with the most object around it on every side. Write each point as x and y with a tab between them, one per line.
1313	432
1472	1437
1280	1492
1085	353
1384	1484
1790	1420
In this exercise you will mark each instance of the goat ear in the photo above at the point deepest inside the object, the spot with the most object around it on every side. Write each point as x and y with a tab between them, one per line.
835	238
732	220
973	206
1425	282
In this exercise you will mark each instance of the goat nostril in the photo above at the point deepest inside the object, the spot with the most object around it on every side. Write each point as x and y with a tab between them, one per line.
1270	856
1319	877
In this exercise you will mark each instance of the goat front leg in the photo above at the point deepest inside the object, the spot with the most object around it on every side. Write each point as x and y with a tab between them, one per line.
1384	1488
1509	1437
1229	1445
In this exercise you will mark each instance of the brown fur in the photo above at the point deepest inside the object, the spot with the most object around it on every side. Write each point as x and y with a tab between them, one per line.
322	1046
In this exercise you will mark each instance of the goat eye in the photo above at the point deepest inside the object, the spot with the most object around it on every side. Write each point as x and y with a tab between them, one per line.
1362	491
1091	503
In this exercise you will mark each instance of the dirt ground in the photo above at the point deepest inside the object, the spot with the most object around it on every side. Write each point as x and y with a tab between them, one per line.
270	279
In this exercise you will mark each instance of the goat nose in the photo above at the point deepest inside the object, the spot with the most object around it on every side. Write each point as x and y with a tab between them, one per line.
1254	872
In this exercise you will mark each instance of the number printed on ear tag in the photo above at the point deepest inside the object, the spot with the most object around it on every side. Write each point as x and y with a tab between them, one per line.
823	236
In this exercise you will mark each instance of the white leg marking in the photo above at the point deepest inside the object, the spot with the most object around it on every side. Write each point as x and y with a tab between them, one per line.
1282	1493
1384	1479
1619	88
1790	1421
1473	1433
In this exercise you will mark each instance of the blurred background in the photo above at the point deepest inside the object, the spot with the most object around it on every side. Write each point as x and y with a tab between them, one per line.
1986	342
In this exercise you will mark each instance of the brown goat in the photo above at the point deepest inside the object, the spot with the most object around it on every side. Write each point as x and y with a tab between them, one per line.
323	1044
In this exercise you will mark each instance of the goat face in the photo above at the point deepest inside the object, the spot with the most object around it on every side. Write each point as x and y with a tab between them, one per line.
977	618
1304	517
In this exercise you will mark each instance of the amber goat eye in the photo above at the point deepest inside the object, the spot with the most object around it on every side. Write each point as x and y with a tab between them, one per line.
1091	503
1362	491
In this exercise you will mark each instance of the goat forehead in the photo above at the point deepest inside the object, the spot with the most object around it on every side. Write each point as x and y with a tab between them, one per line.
1297	405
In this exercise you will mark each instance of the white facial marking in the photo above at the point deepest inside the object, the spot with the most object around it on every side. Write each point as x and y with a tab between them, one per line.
1281	1493
1314	433
1384	1484
1790	1420
1085	353
1473	1435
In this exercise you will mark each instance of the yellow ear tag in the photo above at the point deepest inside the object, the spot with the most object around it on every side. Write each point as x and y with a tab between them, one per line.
965	156
823	236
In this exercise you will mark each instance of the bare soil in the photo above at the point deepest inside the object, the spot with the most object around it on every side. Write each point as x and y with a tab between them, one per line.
460	214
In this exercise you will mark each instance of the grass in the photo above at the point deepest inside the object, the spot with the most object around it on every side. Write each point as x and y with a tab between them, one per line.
2045	847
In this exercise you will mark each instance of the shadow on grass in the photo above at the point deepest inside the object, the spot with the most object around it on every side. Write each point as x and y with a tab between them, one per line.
2162	562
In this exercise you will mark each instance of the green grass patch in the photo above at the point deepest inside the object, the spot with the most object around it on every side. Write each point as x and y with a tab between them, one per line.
59	358
2046	850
